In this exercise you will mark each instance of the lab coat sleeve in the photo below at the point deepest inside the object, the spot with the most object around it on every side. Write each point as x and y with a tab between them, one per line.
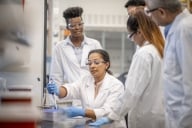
73	90
116	90
184	52
137	81
56	72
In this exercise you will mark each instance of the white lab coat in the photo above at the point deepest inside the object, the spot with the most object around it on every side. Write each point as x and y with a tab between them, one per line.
143	97
65	66
178	73
84	90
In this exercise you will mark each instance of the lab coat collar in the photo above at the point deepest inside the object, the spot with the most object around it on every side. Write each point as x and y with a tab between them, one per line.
106	81
145	43
85	52
86	40
69	51
102	91
68	41
178	18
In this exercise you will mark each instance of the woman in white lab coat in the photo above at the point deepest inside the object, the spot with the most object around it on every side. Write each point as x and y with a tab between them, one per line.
97	91
143	97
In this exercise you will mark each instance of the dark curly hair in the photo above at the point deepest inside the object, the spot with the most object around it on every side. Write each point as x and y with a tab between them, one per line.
134	3
72	12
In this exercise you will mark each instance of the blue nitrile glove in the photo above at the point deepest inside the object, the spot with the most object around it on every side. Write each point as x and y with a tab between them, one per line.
101	121
74	111
53	88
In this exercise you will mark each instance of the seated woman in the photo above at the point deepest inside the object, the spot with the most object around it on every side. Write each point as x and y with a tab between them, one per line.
97	91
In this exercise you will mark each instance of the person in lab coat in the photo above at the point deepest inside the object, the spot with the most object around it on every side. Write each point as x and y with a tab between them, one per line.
131	4
177	74
70	55
143	97
97	91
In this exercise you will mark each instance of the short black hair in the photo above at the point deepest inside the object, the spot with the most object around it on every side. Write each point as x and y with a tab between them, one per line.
72	12
134	3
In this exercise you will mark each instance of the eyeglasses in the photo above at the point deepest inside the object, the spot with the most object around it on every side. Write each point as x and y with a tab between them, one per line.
150	10
131	35
96	62
72	26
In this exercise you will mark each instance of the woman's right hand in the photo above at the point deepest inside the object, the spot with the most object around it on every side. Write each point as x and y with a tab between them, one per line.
53	88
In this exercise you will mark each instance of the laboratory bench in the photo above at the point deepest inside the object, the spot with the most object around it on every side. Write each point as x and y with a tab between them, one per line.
70	123
18	110
28	116
55	119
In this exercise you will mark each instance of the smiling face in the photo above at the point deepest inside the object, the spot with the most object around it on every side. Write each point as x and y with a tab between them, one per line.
75	26
97	66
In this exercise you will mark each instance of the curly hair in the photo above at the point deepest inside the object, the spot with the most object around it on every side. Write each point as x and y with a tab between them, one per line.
72	12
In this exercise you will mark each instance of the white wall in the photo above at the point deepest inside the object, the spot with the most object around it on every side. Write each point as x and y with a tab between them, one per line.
96	12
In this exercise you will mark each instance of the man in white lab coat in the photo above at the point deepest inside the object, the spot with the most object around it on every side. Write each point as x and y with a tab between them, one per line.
70	55
177	72
131	4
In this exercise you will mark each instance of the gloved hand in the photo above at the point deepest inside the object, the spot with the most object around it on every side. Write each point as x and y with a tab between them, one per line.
53	88
74	111
101	121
